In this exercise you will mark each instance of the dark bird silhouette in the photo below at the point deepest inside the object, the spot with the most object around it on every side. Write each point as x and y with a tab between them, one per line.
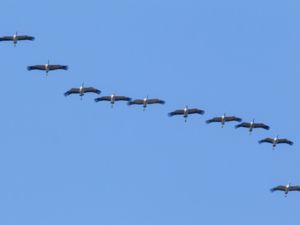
275	141
15	38
286	189
252	125
223	119
112	99
82	90
186	112
47	67
146	101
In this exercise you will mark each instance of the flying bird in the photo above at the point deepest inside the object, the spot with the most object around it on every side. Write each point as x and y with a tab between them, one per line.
146	101
15	38
112	99
186	111
252	125
82	90
47	67
287	188
275	141
223	119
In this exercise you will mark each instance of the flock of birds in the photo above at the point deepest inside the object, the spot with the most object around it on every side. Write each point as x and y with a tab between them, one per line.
185	112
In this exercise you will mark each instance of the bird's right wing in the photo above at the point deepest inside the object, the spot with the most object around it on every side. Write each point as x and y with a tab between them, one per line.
177	112
36	67
278	188
266	140
244	124
136	102
72	91
103	98
214	120
6	38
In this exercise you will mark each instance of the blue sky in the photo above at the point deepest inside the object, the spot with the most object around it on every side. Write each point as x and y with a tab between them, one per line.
67	161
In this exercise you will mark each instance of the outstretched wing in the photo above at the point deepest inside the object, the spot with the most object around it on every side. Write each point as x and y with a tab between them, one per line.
72	91
232	118
176	112
285	141
266	140
215	120
278	188
196	111
122	98
36	67
261	125
25	37
91	90
294	188
58	67
136	102
103	98
155	101
6	38
244	124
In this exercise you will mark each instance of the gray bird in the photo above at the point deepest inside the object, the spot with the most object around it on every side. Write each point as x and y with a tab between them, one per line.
15	38
223	119
185	112
82	90
286	189
47	67
275	141
112	99
146	101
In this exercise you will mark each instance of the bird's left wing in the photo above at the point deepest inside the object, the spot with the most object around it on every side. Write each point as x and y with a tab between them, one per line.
232	118
155	101
285	141
58	67
261	125
195	110
25	37
122	98
294	188
92	90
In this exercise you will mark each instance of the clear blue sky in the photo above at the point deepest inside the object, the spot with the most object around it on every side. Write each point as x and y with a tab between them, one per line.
66	161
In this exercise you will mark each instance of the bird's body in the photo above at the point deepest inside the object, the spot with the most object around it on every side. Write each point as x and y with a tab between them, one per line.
82	90
285	188
252	125
112	99
223	119
15	38
47	67
146	101
275	141
186	111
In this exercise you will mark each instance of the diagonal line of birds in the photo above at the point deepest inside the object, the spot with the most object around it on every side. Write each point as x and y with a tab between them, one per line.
185	112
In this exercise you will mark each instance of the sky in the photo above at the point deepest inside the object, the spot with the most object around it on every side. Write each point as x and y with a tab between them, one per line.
67	161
